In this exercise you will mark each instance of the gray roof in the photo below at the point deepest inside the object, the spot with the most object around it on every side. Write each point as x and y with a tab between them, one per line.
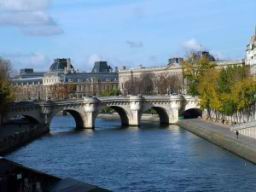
60	65
101	67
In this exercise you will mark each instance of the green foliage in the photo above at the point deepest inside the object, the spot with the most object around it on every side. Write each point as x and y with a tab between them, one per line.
193	70
244	94
6	92
111	92
208	90
230	75
107	110
227	91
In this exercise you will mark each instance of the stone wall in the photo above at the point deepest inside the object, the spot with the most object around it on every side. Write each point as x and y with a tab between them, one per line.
17	139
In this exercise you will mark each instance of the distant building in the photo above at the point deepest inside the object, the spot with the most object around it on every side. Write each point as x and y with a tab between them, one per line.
43	85
101	67
175	61
250	58
206	54
173	68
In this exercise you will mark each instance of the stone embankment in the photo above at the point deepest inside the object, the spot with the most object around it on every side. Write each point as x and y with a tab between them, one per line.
15	177
221	135
14	135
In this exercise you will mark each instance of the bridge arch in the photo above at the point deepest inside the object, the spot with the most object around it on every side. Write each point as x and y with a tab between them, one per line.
76	114
161	111
192	113
32	119
120	111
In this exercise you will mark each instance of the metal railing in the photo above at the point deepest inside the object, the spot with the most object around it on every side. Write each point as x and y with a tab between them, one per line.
242	126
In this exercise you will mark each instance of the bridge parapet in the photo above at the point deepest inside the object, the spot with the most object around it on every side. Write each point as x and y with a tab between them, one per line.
191	102
90	104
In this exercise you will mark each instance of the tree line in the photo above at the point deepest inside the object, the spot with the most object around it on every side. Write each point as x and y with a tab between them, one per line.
150	84
6	93
223	91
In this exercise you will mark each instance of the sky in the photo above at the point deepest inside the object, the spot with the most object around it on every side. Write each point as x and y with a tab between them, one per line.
123	32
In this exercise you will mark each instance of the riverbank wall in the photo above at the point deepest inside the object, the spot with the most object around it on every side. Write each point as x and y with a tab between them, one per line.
220	135
16	177
15	135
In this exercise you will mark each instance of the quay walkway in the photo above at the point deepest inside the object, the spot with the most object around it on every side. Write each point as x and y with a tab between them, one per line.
222	136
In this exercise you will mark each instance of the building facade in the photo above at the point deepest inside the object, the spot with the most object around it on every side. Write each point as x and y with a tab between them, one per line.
63	81
172	69
250	58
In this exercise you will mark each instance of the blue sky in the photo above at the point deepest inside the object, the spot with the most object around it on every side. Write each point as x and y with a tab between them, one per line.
123	32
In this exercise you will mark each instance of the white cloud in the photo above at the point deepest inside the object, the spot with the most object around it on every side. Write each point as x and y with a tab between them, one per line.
24	5
30	16
24	18
192	45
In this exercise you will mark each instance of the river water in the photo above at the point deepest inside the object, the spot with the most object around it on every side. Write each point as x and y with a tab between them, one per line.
149	158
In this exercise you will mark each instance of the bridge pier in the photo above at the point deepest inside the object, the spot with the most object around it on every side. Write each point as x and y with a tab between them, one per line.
173	116
175	104
46	115
134	119
89	120
90	109
135	107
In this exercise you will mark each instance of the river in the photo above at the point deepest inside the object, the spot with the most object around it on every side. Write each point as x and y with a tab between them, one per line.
149	158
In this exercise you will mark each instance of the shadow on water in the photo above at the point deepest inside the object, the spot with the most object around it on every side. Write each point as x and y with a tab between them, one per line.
65	125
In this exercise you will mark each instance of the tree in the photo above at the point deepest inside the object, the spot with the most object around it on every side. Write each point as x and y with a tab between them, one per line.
131	86
229	79
231	75
111	92
227	91
162	84
6	92
144	84
208	91
166	83
244	94
193	68
61	91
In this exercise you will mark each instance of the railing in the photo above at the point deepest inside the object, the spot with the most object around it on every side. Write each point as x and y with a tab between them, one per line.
238	127
246	129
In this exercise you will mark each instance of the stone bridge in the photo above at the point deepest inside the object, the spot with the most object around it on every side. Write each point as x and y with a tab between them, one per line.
85	111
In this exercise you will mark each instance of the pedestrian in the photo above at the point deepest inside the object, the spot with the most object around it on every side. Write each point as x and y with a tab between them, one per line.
237	133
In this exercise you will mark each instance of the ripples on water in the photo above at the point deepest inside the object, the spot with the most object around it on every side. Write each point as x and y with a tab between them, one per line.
149	158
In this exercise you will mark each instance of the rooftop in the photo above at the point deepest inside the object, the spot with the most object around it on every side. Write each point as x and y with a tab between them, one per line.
101	67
